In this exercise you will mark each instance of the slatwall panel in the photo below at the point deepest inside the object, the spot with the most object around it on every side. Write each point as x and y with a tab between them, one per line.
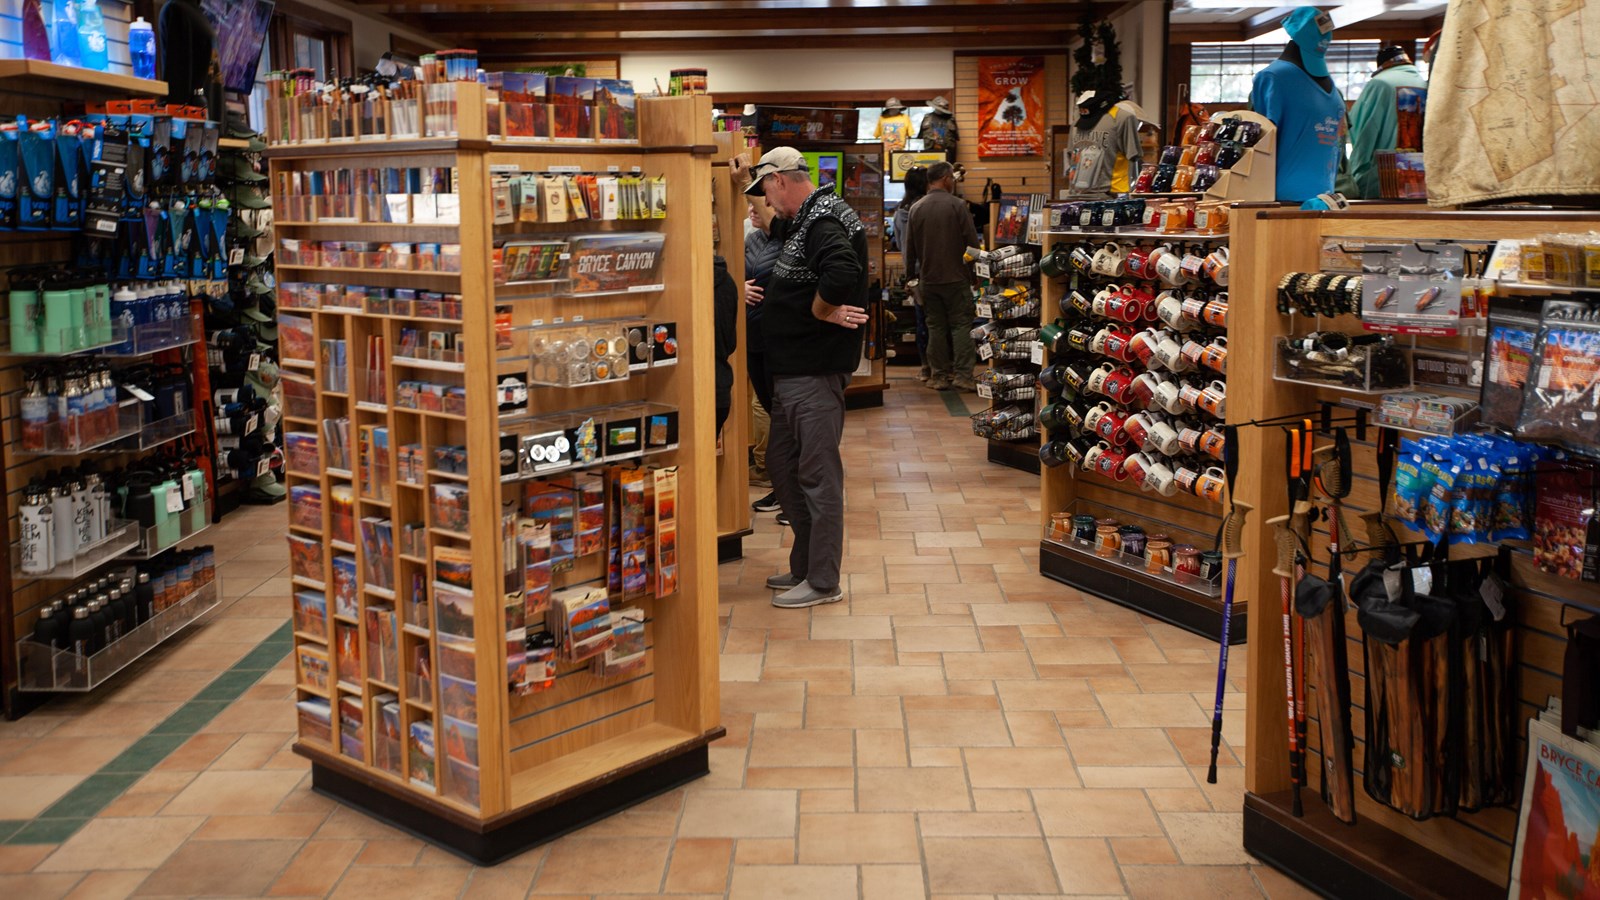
116	13
1022	175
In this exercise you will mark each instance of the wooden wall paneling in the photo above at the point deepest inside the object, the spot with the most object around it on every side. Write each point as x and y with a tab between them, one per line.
1019	175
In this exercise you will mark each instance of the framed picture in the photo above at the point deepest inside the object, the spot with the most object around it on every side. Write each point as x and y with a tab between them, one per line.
825	169
903	161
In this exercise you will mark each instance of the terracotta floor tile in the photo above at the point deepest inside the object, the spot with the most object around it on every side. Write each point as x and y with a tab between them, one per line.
26	796
851	628
233	793
799	778
957	728
1155	710
829	800
937	639
1020	767
913	789
365	883
892	883
978	824
877	748
1085	866
1001	800
855	838
38	885
829	712
580	864
1278	886
989	865
1046	695
739	814
107	885
122	844
1190	883
699	864
15	858
764	852
894	680
792	882
278	826
1096	812
223	868
65	756
1207	838
1147	851
499	884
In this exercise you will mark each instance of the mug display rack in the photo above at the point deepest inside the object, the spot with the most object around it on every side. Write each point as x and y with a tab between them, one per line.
1132	399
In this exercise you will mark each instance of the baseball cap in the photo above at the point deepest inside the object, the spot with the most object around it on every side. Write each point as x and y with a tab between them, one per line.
238	168
778	159
1390	53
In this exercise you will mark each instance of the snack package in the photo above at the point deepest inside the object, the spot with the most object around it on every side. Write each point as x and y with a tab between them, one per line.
1439	504
1564	519
1561	400
1411	483
1507	354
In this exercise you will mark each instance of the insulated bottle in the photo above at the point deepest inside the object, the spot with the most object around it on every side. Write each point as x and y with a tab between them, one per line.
25	312
144	595
37	533
80	636
47	630
63	533
142	48
55	335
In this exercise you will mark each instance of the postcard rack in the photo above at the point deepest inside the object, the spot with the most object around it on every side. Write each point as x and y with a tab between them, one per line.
406	709
1384	853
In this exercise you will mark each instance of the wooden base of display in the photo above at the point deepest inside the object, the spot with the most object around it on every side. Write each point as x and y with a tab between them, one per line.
730	547
490	842
1023	456
1145	594
864	396
1362	860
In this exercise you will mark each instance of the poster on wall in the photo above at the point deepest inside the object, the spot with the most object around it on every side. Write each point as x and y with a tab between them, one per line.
1560	815
1011	110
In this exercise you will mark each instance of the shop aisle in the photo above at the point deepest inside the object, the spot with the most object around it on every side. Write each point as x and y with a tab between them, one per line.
959	727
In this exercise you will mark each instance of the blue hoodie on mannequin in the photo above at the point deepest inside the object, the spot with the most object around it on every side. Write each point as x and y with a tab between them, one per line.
1296	94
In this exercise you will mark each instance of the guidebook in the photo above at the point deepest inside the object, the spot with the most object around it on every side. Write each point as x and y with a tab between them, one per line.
1559	823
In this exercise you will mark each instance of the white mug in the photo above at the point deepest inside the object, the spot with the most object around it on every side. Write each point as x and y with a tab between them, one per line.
1169	308
1170	270
1169	354
1102	299
1092	457
1096	413
1163	438
1158	477
1109	261
1167	397
1097	379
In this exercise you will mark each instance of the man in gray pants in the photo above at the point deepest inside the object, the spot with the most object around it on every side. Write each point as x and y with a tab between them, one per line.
814	304
941	231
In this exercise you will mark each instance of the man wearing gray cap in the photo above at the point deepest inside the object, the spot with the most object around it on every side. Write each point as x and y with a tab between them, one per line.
814	305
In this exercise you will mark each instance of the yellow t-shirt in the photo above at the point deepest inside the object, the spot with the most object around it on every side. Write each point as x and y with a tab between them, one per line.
893	131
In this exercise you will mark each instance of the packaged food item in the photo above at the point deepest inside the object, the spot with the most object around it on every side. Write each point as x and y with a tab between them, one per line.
1441	496
1412	483
1508	352
1561	399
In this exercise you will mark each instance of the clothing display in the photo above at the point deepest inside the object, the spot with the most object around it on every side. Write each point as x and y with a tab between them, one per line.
1105	153
1375	126
1310	120
938	130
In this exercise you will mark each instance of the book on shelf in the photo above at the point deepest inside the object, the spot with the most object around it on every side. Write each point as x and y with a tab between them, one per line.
305	557
377	549
314	670
453	566
335	366
383	645
347	652
419	681
377	367
311	613
345	583
351	731
341	513
421	758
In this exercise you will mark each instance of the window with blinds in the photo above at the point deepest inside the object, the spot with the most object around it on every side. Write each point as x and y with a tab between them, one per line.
1221	73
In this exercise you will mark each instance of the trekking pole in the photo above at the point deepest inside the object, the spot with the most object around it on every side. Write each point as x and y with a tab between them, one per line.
1232	549
1288	550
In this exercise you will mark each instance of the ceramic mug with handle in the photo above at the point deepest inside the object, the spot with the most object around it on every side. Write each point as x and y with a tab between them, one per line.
1110	261
1158	477
1163	437
1216	267
1169	308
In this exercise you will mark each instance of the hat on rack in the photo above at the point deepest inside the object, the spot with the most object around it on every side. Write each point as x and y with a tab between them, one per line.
941	105
249	198
893	106
239	168
778	159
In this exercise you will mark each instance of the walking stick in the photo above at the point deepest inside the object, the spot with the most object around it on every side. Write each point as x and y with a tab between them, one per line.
1326	629
1232	549
1288	552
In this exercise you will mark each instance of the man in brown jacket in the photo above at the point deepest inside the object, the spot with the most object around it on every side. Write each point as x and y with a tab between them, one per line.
941	231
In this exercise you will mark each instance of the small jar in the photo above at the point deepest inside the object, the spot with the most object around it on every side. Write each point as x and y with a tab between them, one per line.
1133	540
1108	541
1060	526
1157	554
1186	559
1211	566
1083	528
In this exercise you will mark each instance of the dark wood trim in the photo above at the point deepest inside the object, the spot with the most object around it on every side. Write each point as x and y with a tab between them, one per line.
1031	48
407	47
1023	457
447	145
848	99
515	51
1364	860
289	16
1370	30
521	22
1141	593
295	9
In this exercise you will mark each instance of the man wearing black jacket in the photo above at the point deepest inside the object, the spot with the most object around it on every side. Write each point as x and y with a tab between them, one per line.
814	305
725	313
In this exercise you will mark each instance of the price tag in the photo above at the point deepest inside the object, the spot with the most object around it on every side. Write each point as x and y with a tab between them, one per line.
255	362
174	502
235	256
1422	579
985	311
139	393
1392	585
566	170
986	392
252	423
1493	593
1037	353
188	489
985	351
613	168
263	466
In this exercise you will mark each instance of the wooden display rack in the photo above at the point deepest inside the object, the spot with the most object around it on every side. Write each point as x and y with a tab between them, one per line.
1187	605
733	459
554	760
1255	176
1384	853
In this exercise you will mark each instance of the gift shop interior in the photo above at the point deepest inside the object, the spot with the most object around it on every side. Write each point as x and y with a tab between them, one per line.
1201	416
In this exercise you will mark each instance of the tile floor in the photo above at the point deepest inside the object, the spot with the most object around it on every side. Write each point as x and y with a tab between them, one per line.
961	727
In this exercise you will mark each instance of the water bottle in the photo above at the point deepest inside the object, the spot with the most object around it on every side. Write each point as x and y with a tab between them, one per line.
92	36
142	48
64	33
36	515
25	315
62	531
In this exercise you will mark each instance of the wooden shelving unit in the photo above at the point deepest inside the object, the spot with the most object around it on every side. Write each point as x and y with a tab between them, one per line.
1186	517
50	79
1384	853
551	760
733	461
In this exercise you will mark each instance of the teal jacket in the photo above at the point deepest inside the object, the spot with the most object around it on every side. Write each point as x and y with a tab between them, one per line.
1374	125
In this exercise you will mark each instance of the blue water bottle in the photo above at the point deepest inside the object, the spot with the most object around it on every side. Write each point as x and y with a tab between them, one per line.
142	48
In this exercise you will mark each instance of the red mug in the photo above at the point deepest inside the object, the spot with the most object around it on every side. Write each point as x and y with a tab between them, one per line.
1138	428
1143	345
1116	343
1124	307
1138	263
1118	384
1137	467
1110	464
1143	389
1110	427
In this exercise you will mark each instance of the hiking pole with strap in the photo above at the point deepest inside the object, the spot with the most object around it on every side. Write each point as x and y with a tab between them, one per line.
1232	549
1288	552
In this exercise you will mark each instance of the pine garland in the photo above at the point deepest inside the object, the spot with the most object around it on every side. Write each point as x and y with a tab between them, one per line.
1105	77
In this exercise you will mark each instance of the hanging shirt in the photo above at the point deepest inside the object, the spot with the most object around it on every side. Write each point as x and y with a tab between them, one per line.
938	132
1102	156
893	131
1308	120
1374	126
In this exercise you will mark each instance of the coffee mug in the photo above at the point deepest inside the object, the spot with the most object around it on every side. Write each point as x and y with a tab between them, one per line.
1212	443
1193	265
1215	355
1082	257
1078	303
1138	428
1170	270
1205	176
1168	397
1193	307
1163	180
1052	454
1189	395
1051	334
1052	378
1091	420
1213	399
1189	437
1158	478
1076	448
1193	350
1183	179
1117	339
1091	457
1169	353
1109	261
1163	437
1143	346
1079	338
1057	262
1053	416
1210	485
1170	155
1216	311
1184	477
1118	383
1110	463
1143	390
1076	375
1101	306
1169	308
1216	267
1138	262
1097	344
1206	154
1110	427
1124	306
1137	467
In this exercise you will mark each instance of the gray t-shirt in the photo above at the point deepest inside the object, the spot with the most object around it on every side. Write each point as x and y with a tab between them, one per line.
1095	152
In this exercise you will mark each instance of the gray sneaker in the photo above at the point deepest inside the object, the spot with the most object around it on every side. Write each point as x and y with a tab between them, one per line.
804	595
784	582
